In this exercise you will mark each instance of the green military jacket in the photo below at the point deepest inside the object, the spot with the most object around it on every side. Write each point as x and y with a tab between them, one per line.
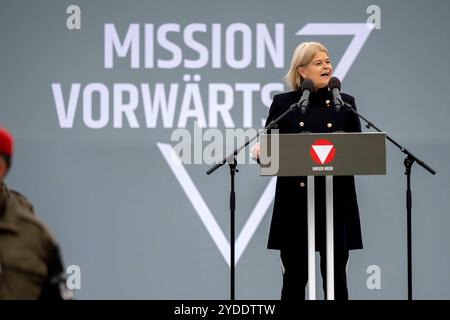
27	249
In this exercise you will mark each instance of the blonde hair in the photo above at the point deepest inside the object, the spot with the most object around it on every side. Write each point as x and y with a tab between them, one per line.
303	55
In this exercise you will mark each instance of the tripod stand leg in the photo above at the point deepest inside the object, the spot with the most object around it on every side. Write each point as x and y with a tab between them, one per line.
311	241
408	164
330	238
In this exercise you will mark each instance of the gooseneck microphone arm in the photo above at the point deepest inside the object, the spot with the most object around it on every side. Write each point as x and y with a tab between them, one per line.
370	124
307	87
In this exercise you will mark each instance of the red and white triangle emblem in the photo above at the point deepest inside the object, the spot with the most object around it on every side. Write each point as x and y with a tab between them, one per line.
322	151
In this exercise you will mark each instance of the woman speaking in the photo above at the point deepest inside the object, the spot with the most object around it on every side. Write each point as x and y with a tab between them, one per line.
288	231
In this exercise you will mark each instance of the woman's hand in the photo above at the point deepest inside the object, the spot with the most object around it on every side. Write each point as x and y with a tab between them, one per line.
254	152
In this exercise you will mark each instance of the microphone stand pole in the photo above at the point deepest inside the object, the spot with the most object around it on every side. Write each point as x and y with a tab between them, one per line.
408	162
231	160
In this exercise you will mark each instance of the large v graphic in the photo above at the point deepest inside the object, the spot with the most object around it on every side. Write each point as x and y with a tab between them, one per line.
205	214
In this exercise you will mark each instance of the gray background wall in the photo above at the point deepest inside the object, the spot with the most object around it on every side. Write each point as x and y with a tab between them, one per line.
119	212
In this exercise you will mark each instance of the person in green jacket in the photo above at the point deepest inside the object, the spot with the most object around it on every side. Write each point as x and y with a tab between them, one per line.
30	262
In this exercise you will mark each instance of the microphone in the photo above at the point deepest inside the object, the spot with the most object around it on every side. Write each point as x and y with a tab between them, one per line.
335	87
306	88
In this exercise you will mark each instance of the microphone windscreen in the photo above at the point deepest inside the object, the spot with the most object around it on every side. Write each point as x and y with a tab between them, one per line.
307	84
334	83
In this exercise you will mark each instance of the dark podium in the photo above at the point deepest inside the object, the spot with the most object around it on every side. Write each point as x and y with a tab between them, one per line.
322	154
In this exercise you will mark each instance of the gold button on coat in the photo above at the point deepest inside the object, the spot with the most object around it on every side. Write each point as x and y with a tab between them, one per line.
302	184
329	125
301	124
327	102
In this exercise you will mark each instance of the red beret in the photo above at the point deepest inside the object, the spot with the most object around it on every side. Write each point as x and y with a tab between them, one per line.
6	142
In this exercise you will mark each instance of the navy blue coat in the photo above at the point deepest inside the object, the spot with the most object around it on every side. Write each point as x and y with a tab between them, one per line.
289	219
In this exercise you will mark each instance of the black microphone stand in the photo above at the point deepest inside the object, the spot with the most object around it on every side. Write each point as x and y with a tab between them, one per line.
408	162
231	160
